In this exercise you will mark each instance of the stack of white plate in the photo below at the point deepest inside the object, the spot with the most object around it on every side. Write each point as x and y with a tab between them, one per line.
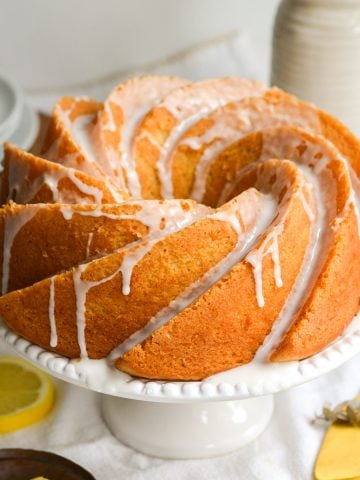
18	122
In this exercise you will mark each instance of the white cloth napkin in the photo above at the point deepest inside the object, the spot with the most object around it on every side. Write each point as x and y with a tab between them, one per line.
230	55
285	451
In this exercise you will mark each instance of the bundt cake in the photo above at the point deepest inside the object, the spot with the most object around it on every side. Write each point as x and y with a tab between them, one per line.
181	229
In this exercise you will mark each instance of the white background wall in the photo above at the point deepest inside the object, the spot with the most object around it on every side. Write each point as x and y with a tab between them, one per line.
53	44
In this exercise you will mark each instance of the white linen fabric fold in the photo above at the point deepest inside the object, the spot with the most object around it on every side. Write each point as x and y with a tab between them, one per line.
232	54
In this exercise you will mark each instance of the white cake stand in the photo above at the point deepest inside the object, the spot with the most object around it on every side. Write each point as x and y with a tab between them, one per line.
189	419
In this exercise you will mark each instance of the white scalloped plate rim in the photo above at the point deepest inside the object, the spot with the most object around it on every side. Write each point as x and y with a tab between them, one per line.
214	388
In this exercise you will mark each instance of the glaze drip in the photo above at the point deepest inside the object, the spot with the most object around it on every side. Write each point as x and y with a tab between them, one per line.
187	106
176	218
242	219
255	258
135	99
12	226
256	274
53	332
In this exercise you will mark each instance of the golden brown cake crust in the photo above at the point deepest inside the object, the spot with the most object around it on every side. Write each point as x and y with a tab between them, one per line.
59	145
166	259
25	180
56	237
225	326
95	264
326	314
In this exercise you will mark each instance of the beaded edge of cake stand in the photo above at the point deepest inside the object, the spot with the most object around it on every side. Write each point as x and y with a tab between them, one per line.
213	388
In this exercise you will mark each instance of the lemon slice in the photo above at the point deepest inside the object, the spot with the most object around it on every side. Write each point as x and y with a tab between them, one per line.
26	394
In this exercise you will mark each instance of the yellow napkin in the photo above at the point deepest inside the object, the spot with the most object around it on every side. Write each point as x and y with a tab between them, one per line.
339	457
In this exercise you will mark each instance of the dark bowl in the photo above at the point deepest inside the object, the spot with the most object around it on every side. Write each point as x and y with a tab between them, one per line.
19	464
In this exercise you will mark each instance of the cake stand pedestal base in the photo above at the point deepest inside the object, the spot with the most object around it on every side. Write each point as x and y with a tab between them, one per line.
187	430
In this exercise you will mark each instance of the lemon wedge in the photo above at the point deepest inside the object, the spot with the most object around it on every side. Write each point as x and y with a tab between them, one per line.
26	394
